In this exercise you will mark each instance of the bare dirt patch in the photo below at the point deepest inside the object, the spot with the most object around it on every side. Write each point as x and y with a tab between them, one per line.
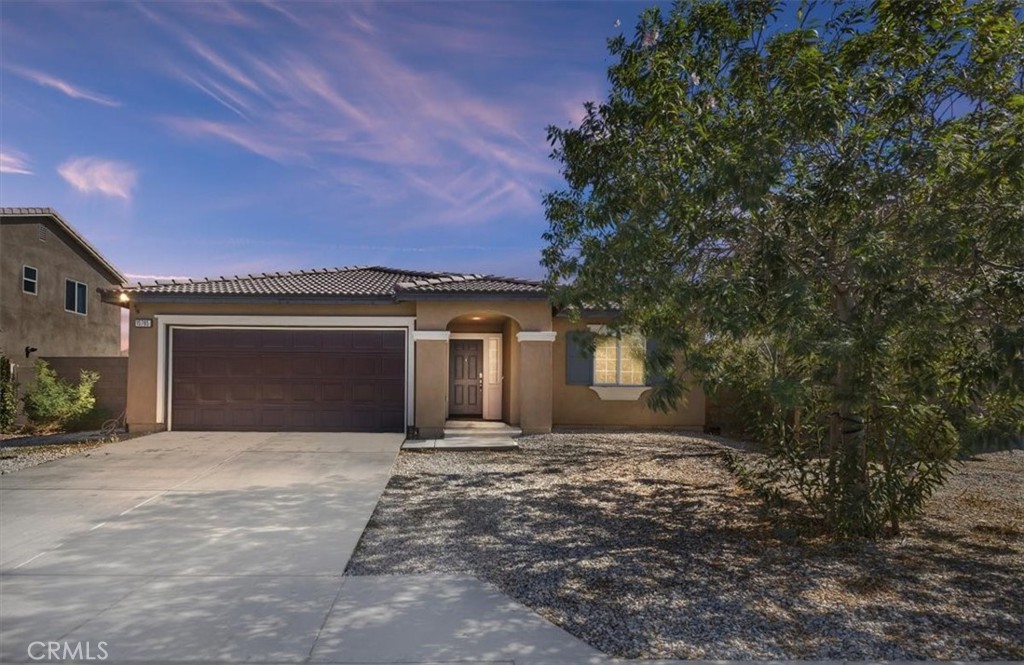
643	545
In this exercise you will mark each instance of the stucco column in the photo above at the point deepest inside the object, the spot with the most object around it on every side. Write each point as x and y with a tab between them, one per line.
535	381
431	381
143	397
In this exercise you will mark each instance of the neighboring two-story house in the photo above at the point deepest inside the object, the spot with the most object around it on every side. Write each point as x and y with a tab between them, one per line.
50	304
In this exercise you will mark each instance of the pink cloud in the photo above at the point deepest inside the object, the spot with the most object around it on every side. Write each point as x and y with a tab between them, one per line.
94	175
347	98
73	91
14	162
239	135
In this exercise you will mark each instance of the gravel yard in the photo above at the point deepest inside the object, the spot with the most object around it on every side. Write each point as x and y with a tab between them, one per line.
16	457
642	545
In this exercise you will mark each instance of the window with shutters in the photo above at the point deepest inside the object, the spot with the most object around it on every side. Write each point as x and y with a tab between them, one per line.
619	361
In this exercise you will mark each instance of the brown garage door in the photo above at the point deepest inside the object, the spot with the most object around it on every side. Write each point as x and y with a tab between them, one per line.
288	380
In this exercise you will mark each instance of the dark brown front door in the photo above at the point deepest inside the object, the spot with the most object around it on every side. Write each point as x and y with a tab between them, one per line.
288	380
466	378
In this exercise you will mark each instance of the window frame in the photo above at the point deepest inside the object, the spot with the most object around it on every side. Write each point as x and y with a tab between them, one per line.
81	297
607	335
25	280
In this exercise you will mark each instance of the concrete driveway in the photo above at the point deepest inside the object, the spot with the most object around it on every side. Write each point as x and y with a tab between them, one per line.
230	547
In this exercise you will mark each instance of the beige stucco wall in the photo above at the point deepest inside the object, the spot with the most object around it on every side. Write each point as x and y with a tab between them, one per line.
510	369
142	375
431	408
530	314
535	387
40	320
579	406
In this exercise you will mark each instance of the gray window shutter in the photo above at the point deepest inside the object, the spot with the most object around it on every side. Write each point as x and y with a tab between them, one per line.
653	379
579	362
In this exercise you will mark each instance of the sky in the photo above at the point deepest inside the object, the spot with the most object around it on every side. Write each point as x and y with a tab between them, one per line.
192	139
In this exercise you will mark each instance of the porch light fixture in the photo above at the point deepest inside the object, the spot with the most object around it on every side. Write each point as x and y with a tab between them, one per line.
123	297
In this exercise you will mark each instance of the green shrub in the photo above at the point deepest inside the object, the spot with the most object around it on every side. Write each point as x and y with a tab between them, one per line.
53	403
8	396
93	419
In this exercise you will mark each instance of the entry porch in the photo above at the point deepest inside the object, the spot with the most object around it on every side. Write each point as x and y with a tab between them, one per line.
482	370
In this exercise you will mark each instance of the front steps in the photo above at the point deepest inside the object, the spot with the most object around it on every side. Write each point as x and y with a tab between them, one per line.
471	435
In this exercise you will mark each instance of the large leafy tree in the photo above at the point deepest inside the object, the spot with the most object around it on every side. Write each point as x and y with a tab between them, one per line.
822	207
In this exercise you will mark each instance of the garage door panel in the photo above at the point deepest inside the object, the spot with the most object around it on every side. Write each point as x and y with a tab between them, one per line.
273	392
185	418
392	392
187	392
244	392
248	365
334	365
272	339
305	365
364	418
274	366
364	392
213	419
274	418
304	392
370	341
213	392
213	366
239	340
303	418
274	380
392	420
311	340
244	418
332	420
184	364
337	392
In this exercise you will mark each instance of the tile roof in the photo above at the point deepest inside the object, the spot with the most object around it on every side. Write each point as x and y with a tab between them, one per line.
70	230
356	282
471	284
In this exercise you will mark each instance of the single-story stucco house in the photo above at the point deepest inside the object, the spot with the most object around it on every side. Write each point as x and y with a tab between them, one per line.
374	349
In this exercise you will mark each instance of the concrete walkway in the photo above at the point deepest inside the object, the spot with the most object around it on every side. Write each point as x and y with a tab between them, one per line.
230	548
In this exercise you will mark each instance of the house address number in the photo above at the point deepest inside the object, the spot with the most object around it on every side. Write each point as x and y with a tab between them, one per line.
143	323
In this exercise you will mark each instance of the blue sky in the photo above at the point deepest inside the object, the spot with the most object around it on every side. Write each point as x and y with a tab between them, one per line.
194	139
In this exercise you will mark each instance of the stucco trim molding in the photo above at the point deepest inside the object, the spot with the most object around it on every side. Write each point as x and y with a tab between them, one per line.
543	336
620	393
430	335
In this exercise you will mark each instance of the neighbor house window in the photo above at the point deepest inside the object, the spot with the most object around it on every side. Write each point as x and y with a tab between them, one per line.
619	361
30	280
75	294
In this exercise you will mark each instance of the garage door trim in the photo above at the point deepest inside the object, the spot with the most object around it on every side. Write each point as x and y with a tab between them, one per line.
165	323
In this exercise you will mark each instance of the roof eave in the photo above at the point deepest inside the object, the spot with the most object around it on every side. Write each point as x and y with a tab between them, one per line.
246	299
587	314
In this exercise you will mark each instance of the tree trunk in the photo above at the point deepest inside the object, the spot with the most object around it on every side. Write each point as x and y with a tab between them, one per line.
847	445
